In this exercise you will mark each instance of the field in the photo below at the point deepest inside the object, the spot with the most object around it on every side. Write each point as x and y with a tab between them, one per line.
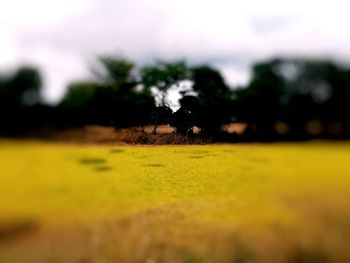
214	203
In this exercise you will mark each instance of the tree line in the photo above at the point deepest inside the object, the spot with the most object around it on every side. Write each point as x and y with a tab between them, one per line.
287	98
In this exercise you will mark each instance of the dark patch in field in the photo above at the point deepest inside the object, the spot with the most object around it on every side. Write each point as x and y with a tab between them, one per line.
154	165
243	253
195	157
98	164
191	152
200	152
229	151
92	161
309	256
259	160
246	168
61	190
192	257
142	156
116	151
15	229
103	168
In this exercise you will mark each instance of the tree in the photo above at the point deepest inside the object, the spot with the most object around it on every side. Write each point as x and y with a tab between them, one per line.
319	91
162	76
294	91
113	97
260	103
78	95
120	94
213	106
185	118
21	89
19	95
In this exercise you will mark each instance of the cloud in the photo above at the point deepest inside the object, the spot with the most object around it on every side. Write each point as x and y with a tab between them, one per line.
63	37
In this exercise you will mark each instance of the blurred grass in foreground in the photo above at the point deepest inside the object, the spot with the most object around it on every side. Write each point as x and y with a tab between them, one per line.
215	203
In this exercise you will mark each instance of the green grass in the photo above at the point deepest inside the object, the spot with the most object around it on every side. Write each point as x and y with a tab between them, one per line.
215	203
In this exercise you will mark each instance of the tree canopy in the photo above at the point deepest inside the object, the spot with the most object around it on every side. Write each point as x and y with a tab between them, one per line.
293	93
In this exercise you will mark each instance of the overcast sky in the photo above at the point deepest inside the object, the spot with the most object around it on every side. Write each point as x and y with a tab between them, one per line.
63	37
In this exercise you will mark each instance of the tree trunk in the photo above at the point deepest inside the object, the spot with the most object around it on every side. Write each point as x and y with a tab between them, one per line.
155	129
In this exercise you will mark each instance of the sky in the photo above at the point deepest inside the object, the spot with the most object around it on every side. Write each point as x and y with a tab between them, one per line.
63	38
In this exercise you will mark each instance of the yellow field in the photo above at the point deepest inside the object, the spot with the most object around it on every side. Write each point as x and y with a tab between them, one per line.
216	203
